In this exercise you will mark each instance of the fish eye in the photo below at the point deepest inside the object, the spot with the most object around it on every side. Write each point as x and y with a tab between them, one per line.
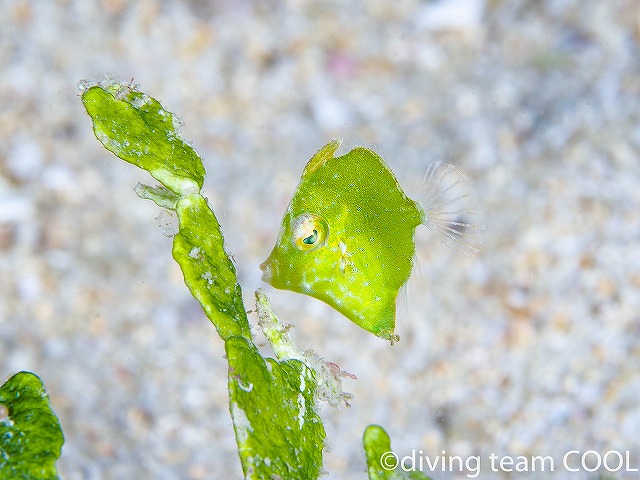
311	239
309	231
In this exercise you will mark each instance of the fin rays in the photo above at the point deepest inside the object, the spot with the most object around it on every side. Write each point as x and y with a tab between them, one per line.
452	210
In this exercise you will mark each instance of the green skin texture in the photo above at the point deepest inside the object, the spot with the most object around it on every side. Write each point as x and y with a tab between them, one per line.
369	247
30	436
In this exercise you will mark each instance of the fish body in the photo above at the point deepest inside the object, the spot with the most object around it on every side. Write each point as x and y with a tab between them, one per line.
347	238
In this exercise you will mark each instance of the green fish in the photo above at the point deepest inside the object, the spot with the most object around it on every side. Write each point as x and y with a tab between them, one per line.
347	237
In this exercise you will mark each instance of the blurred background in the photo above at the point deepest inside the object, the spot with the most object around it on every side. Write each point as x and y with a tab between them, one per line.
531	347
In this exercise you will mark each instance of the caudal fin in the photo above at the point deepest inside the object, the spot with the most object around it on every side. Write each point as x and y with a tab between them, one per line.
452	210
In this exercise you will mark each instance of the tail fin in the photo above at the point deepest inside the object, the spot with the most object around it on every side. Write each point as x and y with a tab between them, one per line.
452	210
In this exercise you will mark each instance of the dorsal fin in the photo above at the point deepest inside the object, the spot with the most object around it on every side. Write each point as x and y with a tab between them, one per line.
323	155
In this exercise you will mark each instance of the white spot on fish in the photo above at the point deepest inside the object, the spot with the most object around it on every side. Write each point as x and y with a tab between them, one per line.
302	409
246	388
241	423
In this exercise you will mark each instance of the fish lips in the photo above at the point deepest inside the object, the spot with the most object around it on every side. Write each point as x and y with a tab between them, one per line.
272	271
267	270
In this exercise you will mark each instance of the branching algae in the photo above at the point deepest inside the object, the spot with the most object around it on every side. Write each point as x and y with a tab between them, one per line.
347	237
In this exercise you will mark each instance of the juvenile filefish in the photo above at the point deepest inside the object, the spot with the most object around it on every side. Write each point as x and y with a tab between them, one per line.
347	237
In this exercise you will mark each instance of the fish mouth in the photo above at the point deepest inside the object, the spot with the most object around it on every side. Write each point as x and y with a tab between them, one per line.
266	271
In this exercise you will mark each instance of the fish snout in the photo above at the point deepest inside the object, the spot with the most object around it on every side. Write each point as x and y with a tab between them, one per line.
267	274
